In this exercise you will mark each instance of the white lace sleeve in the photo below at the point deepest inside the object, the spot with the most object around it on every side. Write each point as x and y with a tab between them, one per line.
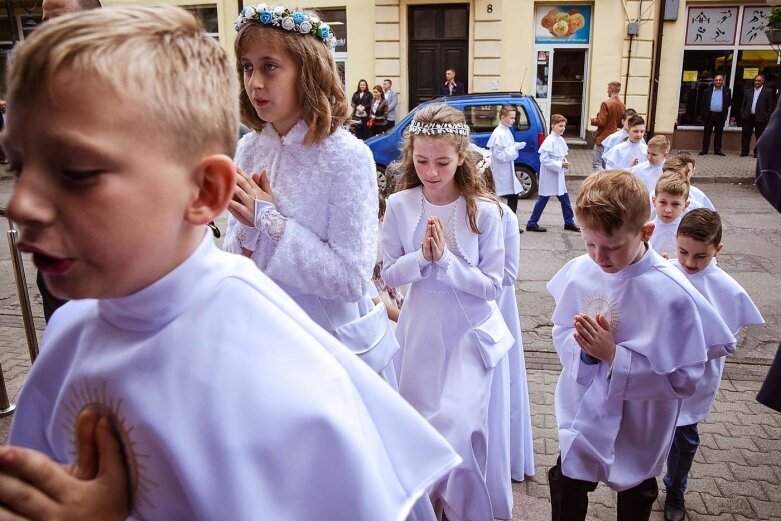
273	223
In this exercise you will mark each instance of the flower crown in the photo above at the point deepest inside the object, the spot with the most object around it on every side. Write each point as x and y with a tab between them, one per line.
485	158
428	129
283	18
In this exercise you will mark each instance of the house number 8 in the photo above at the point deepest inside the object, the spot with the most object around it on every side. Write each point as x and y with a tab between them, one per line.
490	8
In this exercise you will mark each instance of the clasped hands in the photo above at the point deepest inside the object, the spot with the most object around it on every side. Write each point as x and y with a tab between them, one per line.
35	487
595	337
248	189
434	243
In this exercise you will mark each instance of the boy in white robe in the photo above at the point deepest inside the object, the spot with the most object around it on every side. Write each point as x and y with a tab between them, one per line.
650	170
633	338
633	150
229	402
670	200
699	242
620	135
504	152
697	197
553	165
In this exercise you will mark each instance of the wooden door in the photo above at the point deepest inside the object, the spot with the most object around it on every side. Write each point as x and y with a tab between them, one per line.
438	40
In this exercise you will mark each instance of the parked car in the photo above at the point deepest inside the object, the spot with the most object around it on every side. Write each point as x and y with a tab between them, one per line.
482	116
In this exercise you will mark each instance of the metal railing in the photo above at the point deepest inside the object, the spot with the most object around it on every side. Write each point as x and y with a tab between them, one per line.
24	303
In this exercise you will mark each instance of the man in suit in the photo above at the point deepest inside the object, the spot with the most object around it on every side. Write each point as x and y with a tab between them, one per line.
451	87
758	104
716	103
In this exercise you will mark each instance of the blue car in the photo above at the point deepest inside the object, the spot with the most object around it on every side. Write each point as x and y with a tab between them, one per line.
482	115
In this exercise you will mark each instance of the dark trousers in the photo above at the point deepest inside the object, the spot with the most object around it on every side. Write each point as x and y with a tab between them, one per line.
569	498
714	121
750	126
512	202
391	124
50	302
685	442
539	206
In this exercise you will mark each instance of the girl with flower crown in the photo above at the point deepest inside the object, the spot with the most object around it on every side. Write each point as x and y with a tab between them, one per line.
307	215
443	234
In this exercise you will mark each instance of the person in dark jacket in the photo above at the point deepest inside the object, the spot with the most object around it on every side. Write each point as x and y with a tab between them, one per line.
378	115
361	102
758	104
451	87
715	105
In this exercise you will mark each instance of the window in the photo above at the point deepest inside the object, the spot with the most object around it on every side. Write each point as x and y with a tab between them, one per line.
485	118
207	15
727	40
336	18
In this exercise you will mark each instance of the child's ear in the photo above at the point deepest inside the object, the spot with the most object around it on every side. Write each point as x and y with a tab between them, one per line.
687	203
718	249
647	230
215	178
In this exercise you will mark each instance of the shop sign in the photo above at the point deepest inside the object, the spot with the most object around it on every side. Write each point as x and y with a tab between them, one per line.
711	25
752	31
690	76
562	24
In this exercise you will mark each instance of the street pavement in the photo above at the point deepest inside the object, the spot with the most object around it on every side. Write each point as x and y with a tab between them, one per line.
737	471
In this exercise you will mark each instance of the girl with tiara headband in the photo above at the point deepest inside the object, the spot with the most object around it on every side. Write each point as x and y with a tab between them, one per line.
443	234
305	205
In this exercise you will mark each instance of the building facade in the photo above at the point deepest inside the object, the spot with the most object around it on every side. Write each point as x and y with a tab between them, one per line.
664	52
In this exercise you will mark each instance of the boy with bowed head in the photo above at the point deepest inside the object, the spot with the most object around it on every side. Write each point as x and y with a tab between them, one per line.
630	152
186	349
633	338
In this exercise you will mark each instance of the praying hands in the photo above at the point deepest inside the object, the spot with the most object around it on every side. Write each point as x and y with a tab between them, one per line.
595	338
249	188
434	243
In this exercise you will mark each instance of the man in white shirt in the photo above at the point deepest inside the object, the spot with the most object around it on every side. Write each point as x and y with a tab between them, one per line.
758	104
392	98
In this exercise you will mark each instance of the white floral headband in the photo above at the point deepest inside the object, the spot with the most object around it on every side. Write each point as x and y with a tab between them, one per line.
428	129
283	18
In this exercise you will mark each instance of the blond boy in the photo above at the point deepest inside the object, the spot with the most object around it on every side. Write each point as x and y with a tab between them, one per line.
650	170
618	330
229	402
670	200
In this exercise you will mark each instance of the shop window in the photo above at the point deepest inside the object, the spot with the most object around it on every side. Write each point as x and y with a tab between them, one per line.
699	69
207	15
485	118
750	63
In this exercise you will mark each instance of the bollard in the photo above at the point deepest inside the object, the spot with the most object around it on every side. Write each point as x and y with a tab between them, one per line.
21	290
6	408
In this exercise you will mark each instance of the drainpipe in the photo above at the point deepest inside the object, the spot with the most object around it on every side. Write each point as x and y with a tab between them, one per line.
655	73
628	63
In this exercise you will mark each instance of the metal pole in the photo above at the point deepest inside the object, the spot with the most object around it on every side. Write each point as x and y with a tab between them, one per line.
21	290
6	407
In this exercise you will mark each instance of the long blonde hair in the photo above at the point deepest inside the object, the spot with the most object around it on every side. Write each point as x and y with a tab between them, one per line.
324	107
467	180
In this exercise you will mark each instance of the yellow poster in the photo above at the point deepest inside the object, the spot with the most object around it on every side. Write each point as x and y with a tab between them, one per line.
750	72
689	75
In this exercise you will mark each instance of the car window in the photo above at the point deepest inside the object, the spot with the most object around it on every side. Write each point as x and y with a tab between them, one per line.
485	118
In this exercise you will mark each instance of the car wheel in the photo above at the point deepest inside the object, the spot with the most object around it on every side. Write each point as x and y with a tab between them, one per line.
528	180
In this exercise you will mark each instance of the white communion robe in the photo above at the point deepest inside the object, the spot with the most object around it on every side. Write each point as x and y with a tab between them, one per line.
553	152
318	240
624	154
452	335
698	199
503	155
521	441
738	311
616	421
648	173
619	136
230	401
663	239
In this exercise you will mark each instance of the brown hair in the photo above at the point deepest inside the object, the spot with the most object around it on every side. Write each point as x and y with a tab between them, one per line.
635	120
628	113
179	77
672	183
555	119
659	142
379	88
686	157
612	199
674	164
702	225
506	109
324	107
615	86
467	180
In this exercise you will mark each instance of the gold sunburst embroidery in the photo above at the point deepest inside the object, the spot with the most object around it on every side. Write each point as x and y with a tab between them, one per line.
96	397
602	304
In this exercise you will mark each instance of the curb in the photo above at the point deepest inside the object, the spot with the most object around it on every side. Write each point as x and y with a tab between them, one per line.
697	179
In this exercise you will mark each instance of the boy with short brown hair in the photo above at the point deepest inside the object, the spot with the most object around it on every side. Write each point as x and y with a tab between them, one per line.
650	170
633	150
618	333
670	200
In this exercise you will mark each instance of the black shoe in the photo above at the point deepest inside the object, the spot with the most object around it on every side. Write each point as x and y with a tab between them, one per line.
755	155
520	230
743	155
703	152
720	153
535	228
674	507
572	227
